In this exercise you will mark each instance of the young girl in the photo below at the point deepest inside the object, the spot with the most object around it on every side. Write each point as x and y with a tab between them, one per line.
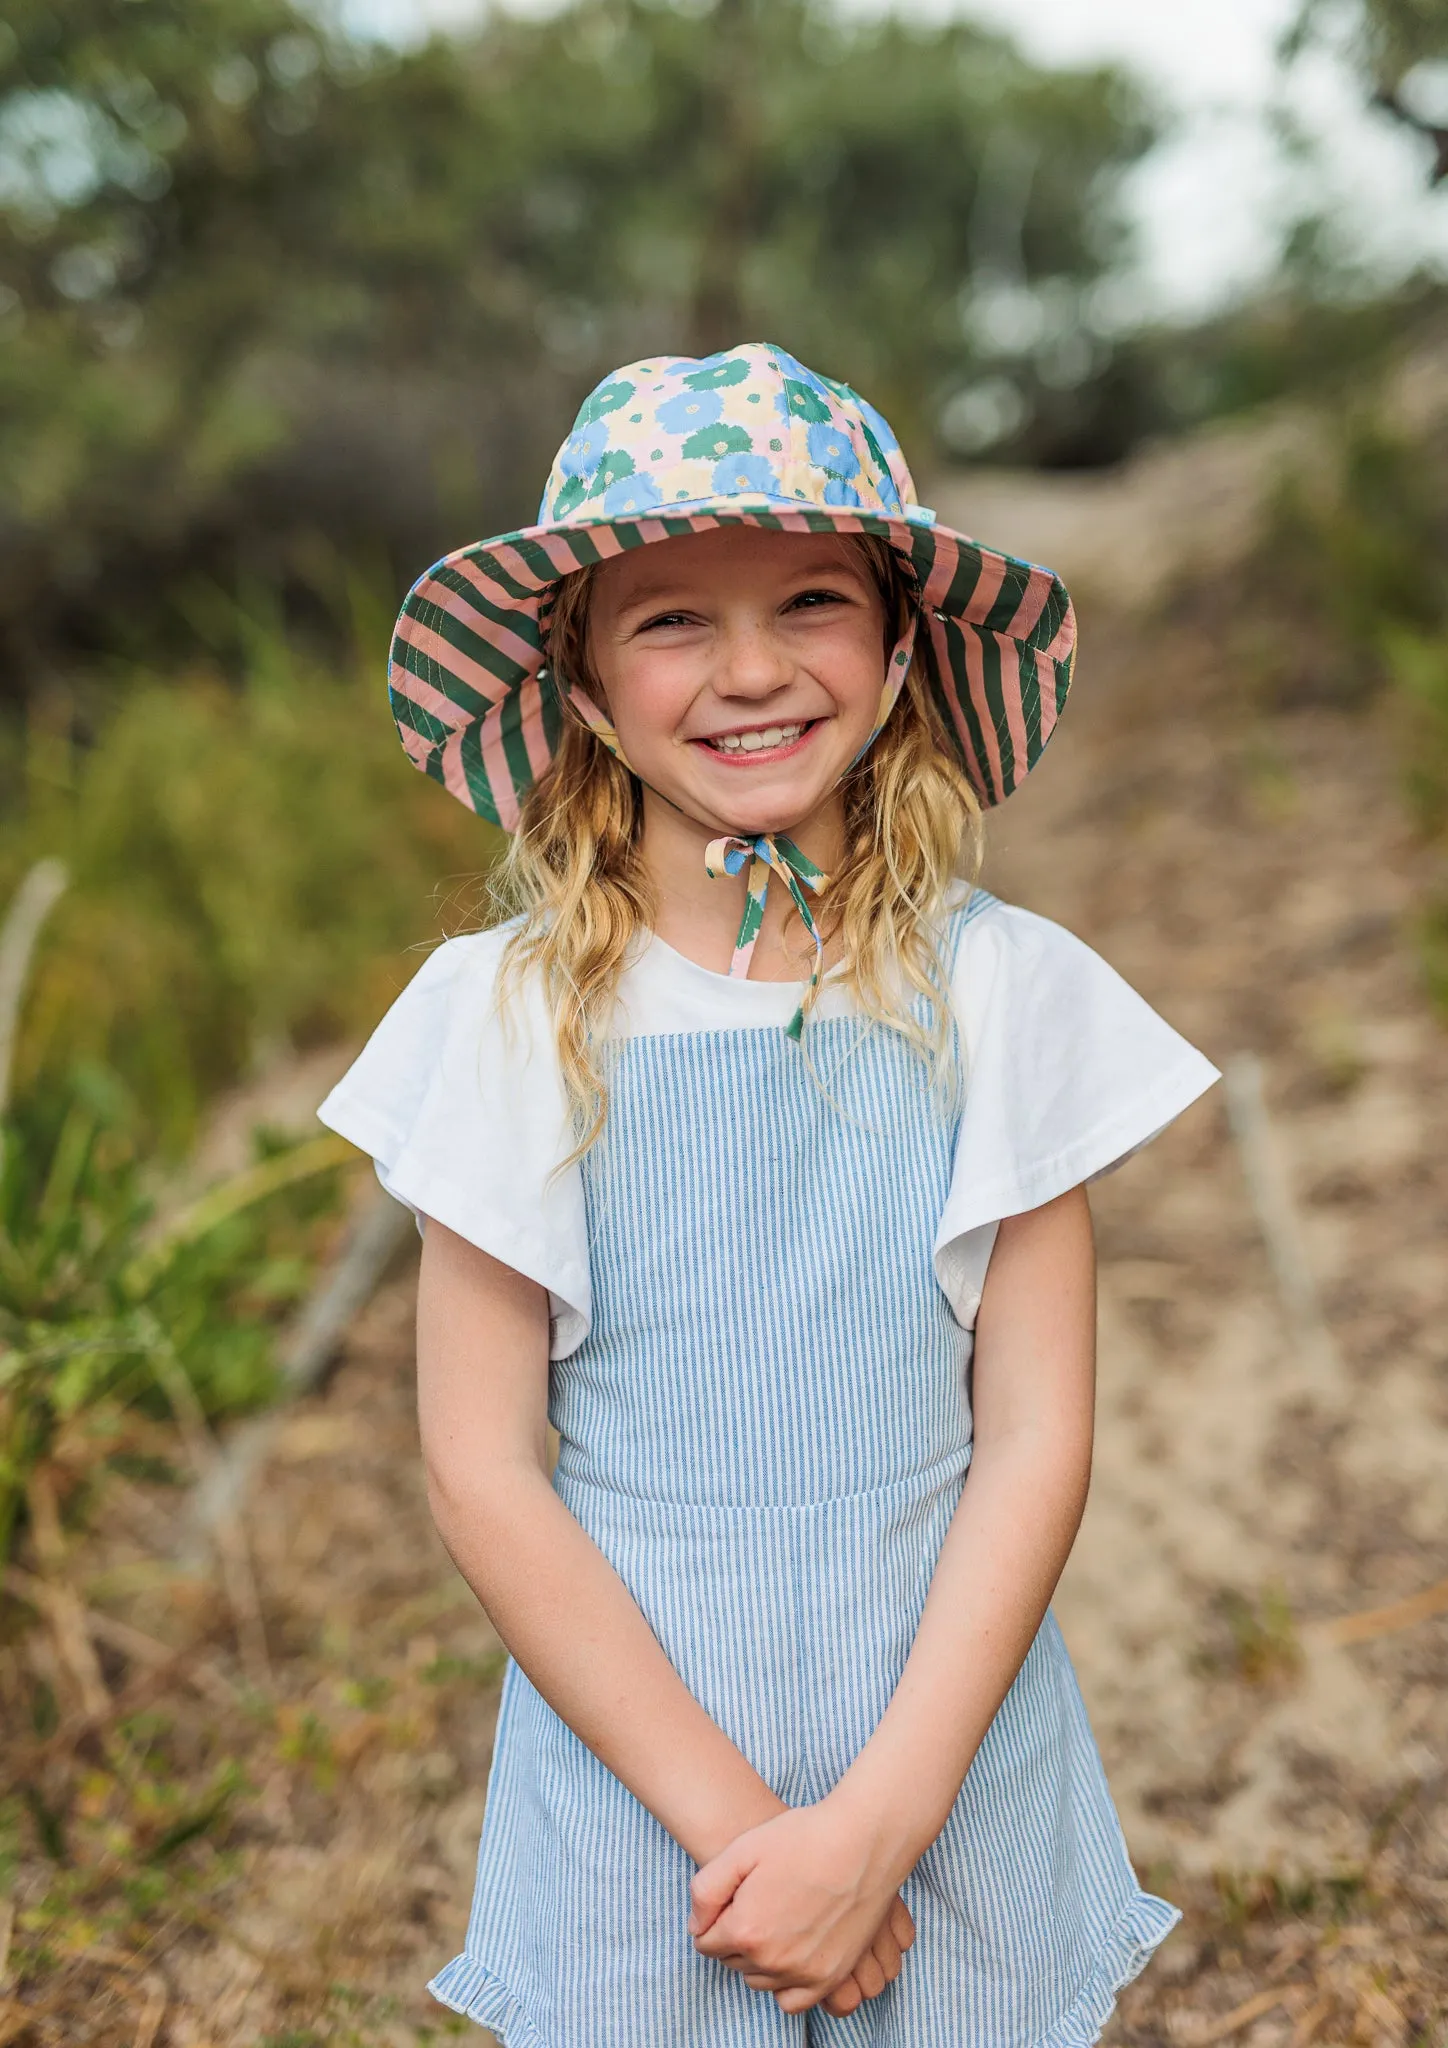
751	1154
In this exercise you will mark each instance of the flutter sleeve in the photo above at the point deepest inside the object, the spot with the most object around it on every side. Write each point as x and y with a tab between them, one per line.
1067	1073
461	1106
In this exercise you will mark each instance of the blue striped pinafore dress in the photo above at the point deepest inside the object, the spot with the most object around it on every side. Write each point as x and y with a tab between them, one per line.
766	1431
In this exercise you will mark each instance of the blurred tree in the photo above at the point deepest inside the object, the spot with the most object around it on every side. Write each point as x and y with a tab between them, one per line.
260	283
1394	42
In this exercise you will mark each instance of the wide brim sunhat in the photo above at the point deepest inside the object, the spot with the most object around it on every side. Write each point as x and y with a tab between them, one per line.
673	446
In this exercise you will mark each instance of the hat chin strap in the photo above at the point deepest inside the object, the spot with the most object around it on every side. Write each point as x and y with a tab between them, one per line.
798	872
765	851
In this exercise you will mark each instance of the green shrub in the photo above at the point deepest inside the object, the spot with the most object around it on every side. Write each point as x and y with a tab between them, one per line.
100	1313
252	861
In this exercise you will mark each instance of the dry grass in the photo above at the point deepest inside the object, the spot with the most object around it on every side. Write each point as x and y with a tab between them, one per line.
202	1860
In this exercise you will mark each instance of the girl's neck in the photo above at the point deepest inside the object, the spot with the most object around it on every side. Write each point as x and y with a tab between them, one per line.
699	917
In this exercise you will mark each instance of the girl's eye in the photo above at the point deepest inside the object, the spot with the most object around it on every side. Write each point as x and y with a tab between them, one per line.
810	600
664	619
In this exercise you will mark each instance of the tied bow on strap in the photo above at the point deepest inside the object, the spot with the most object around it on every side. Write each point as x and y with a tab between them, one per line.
770	850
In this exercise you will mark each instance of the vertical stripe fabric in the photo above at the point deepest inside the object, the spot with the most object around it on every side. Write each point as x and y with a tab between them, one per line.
767	1431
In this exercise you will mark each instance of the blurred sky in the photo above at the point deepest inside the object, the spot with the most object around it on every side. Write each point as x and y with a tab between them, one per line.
1210	203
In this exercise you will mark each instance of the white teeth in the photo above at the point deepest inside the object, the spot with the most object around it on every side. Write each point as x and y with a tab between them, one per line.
754	742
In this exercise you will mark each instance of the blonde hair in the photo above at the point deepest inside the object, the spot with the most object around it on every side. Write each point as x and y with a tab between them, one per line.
574	872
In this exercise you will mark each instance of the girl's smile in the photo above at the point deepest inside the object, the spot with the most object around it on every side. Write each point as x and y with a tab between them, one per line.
749	746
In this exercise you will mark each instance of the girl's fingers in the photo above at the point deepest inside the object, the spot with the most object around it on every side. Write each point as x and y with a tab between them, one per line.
869	1974
715	1885
750	1967
886	1951
902	1926
844	1999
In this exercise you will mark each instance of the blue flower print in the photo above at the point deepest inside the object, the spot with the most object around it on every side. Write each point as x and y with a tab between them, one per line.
632	494
739	473
877	424
792	368
584	449
838	493
690	411
831	448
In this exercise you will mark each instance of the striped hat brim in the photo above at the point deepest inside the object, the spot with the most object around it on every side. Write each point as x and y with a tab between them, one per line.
480	713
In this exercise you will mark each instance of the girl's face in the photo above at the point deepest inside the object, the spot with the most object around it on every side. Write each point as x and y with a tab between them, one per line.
742	670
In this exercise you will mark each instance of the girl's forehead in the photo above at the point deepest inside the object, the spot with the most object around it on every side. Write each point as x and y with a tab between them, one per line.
727	557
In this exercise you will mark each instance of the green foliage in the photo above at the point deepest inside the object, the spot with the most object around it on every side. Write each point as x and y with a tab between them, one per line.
1418	667
1358	558
257	281
1356	611
250	858
98	1313
1388	37
1320	333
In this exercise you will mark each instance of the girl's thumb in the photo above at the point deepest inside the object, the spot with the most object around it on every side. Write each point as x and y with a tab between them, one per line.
715	1885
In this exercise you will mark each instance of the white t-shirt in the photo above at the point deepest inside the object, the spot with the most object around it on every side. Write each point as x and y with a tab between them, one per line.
1067	1072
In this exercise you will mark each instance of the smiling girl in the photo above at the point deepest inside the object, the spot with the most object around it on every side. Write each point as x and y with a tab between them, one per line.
751	1153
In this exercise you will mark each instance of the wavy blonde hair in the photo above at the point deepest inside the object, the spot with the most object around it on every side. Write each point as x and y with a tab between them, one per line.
574	870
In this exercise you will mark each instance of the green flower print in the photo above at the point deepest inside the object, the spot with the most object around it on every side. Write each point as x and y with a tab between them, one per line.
711	444
733	370
615	466
804	403
570	497
608	398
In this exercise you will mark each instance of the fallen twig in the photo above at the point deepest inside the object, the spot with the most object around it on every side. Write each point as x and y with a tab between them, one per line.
21	1762
154	2010
305	1353
233	1550
1370	1622
61	1604
1277	1218
133	1643
1292	1996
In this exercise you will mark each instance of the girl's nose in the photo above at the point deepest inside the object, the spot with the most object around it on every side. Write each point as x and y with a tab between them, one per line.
753	663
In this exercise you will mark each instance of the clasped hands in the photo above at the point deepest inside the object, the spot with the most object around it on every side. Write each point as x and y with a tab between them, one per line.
802	1908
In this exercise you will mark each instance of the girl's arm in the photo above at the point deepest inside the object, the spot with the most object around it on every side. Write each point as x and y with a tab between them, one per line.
798	1897
555	1600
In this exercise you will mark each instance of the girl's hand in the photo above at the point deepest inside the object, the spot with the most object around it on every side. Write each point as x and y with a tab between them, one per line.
801	1909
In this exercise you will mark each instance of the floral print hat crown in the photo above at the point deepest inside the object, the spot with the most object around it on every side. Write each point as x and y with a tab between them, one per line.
672	446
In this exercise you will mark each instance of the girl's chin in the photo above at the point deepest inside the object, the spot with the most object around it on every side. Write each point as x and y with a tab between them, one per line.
751	812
